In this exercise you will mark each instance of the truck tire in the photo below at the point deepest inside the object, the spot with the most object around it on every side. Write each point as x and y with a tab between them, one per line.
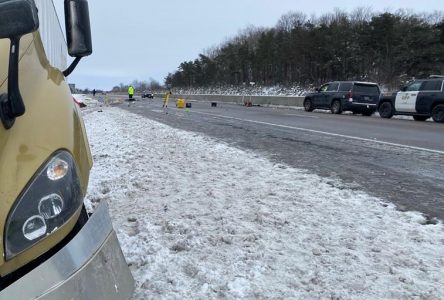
438	113
308	105
336	107
420	118
386	110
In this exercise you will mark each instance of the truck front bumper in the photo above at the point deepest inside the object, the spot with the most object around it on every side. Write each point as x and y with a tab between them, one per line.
90	266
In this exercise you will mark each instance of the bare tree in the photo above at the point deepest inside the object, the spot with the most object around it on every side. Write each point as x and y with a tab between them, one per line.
291	20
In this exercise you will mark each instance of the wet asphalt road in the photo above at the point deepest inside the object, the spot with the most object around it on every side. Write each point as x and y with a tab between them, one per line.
398	160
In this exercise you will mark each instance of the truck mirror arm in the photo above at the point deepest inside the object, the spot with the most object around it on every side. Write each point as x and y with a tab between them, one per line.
12	106
71	68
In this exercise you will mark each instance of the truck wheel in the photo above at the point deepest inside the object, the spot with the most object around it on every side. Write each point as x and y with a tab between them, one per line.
438	113
386	110
308	105
420	118
336	107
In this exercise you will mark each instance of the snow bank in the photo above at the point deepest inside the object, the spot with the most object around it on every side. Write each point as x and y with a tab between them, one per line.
200	219
239	90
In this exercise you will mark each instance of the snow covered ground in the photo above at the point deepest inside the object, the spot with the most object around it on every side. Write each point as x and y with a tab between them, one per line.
200	219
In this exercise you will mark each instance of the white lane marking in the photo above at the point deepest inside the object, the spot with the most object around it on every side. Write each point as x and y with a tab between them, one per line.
302	116
327	133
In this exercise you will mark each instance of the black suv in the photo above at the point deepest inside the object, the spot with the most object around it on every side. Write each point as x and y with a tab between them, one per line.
147	94
339	96
421	99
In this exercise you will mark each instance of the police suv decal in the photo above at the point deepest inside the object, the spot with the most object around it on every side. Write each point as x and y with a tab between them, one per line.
406	101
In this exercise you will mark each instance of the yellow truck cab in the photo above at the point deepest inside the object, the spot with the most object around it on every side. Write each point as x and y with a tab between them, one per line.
50	248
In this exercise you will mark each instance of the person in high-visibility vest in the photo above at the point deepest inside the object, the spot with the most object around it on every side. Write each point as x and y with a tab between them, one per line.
130	92
166	98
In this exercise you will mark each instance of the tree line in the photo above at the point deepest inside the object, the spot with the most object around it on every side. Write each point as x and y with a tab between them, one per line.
388	48
139	86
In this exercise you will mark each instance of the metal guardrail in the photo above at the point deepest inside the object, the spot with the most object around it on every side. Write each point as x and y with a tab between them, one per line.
256	100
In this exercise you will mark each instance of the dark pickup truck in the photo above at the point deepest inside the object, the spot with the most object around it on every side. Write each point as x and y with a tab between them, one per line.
339	96
147	94
421	99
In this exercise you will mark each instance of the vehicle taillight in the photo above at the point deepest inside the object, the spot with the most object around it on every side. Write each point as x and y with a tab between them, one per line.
349	96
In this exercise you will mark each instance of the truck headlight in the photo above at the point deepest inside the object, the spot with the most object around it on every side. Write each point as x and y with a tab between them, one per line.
49	201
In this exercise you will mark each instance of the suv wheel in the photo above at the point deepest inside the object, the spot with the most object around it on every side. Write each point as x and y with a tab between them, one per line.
336	107
420	118
386	110
308	105
438	113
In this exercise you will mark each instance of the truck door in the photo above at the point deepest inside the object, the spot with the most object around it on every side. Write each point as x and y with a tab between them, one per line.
406	100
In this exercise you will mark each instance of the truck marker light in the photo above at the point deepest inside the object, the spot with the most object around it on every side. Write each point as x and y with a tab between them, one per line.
34	228
57	169
50	206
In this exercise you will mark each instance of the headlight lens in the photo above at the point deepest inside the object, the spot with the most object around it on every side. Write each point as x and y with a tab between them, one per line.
34	228
50	206
48	202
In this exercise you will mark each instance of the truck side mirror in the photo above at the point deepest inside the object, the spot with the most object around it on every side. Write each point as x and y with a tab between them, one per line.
78	29
403	88
17	18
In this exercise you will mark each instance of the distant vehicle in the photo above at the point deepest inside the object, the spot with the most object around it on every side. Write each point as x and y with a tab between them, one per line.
339	96
147	94
83	100
421	99
79	101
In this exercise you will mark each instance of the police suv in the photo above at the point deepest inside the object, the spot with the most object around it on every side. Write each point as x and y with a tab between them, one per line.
421	99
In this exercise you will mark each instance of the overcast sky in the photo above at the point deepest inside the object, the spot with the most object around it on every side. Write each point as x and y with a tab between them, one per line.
139	39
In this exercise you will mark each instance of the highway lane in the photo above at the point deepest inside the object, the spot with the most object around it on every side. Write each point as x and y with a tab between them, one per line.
398	160
403	131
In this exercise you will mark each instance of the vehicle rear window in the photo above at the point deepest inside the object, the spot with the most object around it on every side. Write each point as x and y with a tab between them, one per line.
433	85
366	88
345	86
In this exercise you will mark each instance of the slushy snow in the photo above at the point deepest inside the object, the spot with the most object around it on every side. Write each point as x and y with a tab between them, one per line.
200	219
